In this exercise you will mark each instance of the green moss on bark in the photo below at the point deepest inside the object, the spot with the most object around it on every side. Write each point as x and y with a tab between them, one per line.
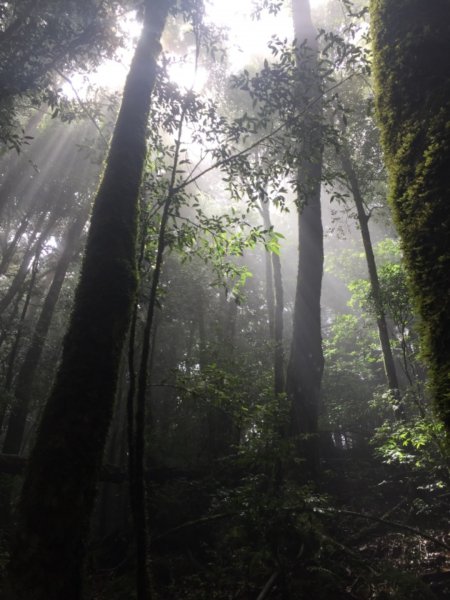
411	41
59	489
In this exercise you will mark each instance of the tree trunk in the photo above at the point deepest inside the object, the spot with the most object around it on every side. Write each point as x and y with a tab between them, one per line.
11	360
33	249
275	304
304	375
202	344
6	491
270	293
363	220
11	247
411	45
137	462
279	385
7	330
59	489
27	373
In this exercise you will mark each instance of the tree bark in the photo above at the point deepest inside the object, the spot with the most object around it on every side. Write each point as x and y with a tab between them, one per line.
304	374
33	249
11	360
279	385
202	344
275	304
137	462
270	293
383	334
59	489
411	46
25	379
11	247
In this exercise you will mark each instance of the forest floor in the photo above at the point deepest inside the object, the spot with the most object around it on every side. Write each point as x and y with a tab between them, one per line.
396	523
384	533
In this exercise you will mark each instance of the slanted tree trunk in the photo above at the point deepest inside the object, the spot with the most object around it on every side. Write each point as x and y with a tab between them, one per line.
383	334
12	355
411	44
13	175
6	331
59	488
7	490
27	373
11	247
305	367
33	249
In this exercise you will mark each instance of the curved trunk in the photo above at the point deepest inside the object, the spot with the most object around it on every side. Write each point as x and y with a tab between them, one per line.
59	489
411	43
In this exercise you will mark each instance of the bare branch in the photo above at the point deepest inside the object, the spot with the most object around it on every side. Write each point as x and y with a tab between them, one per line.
83	106
225	161
395	524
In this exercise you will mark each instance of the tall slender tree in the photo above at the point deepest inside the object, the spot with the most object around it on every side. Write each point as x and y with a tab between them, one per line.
305	367
411	43
363	221
59	489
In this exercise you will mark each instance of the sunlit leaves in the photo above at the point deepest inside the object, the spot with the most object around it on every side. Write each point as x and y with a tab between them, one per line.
418	443
40	39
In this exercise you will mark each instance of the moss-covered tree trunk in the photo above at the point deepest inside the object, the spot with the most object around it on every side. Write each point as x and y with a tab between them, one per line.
59	488
411	43
305	367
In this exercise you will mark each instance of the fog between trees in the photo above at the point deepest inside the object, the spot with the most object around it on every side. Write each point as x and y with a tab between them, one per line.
223	371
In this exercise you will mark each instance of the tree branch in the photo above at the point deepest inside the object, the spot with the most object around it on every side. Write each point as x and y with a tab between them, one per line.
225	161
395	524
270	582
83	106
193	523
